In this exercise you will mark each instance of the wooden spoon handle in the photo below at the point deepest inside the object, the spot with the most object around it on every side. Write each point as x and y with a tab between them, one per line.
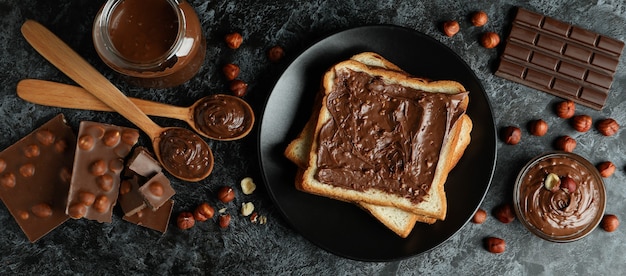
56	94
79	70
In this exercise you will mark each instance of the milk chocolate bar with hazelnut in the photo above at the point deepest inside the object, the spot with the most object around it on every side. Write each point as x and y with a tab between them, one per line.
154	219
35	177
100	152
560	59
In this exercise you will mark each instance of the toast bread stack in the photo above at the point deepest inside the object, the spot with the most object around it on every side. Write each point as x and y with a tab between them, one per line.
395	212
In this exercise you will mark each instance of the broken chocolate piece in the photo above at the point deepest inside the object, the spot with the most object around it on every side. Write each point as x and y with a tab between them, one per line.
157	219
99	160
35	177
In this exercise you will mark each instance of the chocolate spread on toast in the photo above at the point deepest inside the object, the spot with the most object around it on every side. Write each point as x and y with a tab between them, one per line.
384	136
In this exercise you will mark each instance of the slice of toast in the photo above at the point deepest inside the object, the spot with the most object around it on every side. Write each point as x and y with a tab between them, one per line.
456	136
399	221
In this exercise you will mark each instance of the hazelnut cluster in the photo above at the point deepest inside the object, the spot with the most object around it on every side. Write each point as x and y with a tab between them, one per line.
231	71
488	39
225	195
512	135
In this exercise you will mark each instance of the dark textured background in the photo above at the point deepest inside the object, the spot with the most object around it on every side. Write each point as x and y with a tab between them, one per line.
86	247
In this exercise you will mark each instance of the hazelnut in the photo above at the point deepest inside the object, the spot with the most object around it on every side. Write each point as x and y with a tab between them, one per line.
582	123
565	143
608	127
3	165
233	40
32	151
538	127
609	223
231	71
60	146
42	210
156	189
23	215
98	168
45	137
568	184
224	220
130	136
111	138
238	88
490	40
185	220
480	216
86	198
105	182
247	185
275	54
8	180
77	210
86	142
450	28
125	187
511	135
504	213
226	194
495	245
606	168
203	212
247	208
254	217
479	18
565	109
27	170
101	204
552	182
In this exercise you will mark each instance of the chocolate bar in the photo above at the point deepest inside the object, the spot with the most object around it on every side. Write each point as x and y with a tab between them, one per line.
35	177
99	160
157	219
560	59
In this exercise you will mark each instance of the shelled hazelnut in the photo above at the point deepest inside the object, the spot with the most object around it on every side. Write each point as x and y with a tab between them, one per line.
495	245
608	127
504	213
226	194
275	54
606	168
565	143
239	88
185	220
609	223
538	127
479	18
511	135
224	220
582	123
480	216
451	27
490	40
565	109
233	40
203	212
231	71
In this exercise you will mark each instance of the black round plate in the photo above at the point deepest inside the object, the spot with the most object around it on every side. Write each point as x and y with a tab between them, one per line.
343	228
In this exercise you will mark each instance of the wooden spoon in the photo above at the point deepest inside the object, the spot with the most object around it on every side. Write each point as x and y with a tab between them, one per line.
181	152
219	117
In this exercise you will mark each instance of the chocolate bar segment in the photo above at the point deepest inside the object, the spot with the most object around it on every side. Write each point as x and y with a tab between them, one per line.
153	219
35	177
99	160
560	59
157	190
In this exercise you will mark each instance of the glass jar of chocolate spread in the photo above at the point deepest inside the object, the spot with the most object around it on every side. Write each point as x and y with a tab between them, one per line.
153	43
559	196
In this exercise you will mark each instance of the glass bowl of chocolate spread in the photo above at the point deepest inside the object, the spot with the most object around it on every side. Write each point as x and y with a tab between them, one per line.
559	196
